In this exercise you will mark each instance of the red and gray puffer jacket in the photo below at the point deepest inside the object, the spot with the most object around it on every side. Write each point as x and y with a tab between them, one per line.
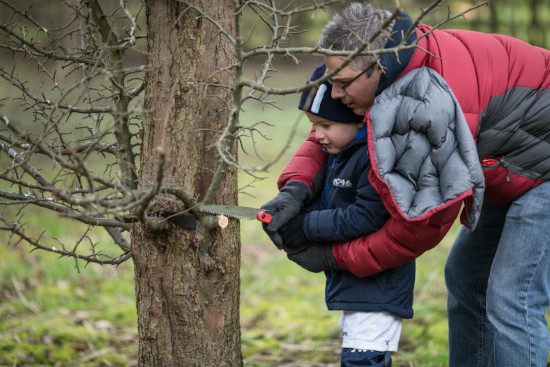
424	166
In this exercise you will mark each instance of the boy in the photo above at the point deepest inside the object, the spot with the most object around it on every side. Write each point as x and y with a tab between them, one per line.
348	207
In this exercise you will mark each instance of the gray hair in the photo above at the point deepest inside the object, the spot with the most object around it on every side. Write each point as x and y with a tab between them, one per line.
352	27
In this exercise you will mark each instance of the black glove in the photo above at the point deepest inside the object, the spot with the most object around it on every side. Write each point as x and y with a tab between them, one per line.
274	236
316	257
285	206
293	235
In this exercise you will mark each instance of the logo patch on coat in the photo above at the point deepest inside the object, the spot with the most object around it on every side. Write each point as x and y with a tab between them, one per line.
342	183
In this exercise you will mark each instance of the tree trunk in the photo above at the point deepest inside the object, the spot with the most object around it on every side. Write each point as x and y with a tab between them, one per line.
536	31
187	281
494	22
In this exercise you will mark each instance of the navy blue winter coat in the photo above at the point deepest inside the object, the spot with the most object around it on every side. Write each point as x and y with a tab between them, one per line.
348	208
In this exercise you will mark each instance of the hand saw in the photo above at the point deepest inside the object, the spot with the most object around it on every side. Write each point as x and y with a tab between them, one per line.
236	211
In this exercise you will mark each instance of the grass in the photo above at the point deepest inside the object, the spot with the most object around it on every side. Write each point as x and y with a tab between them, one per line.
52	315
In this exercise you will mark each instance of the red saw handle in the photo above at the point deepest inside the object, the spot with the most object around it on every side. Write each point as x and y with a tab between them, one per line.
264	217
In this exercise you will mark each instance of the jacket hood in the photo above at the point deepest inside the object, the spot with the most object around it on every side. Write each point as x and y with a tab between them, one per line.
423	156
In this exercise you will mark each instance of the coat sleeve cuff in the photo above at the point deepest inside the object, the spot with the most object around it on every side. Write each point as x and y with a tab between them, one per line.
303	179
337	249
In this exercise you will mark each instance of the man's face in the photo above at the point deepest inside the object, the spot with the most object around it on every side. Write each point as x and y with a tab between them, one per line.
358	94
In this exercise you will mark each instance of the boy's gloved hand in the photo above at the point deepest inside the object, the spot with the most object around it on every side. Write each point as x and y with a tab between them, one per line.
292	233
316	257
285	206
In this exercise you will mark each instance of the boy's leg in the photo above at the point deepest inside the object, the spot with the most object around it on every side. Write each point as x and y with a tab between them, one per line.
358	358
368	338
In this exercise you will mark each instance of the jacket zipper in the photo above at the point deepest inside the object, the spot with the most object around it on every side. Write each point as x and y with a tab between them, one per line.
505	165
490	163
327	181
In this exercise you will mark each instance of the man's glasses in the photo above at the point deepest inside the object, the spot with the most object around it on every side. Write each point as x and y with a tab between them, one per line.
341	87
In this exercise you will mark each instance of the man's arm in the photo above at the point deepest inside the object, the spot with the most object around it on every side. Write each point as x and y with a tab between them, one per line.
306	165
396	243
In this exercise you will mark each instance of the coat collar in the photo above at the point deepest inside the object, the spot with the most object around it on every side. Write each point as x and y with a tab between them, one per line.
393	64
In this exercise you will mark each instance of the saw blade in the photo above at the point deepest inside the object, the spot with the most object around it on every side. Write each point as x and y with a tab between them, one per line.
233	211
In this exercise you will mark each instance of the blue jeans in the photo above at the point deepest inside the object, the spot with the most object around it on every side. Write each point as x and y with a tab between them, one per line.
498	280
358	358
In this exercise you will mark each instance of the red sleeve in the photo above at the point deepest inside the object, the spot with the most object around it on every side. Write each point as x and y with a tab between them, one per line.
305	163
396	243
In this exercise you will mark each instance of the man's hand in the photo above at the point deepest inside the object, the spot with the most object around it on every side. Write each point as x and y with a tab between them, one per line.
285	206
316	257
293	235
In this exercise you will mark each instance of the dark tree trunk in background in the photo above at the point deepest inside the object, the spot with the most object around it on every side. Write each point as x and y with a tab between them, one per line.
187	281
493	17
537	31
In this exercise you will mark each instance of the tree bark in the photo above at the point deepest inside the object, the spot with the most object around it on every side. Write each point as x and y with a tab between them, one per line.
187	281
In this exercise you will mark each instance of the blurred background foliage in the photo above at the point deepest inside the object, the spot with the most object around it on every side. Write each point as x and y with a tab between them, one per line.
60	312
523	19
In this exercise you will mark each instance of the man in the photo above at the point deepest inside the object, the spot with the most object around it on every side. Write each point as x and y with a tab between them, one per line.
431	103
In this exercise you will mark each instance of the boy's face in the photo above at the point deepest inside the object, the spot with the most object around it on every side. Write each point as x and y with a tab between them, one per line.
333	136
358	94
